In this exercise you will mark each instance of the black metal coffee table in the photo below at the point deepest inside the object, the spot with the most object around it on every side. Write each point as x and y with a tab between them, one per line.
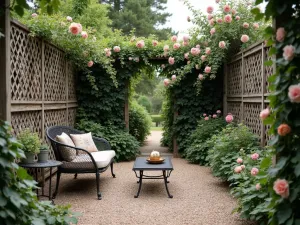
142	165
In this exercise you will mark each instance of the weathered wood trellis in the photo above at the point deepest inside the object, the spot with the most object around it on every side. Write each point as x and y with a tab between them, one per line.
246	87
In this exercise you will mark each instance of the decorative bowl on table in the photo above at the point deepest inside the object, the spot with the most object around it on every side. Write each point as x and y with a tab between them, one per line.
155	158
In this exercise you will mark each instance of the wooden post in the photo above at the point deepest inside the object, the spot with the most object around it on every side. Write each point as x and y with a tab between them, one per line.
225	86
263	88
126	108
5	97
43	89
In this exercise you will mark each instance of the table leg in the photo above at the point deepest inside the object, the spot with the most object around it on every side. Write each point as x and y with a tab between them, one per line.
140	183
166	184
36	179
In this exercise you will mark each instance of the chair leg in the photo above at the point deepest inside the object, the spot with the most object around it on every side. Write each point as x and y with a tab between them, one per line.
112	169
57	184
75	176
97	181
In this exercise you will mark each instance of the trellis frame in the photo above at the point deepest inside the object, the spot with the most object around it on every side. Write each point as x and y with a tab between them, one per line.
246	87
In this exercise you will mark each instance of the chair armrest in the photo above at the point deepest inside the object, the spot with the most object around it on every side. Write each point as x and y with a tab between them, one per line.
101	143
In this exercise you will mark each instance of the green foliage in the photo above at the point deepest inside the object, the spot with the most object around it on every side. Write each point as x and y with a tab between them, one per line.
146	83
139	122
30	141
227	146
145	102
18	202
124	144
157	119
252	191
46	6
198	149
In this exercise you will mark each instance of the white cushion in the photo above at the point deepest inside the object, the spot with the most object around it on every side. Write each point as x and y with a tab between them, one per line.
84	141
68	154
103	158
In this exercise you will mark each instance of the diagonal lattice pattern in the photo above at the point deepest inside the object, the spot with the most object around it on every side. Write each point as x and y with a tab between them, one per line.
71	116
251	117
235	108
29	119
234	78
253	74
71	82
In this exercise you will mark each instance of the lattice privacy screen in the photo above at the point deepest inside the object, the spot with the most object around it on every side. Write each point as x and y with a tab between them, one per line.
246	88
42	84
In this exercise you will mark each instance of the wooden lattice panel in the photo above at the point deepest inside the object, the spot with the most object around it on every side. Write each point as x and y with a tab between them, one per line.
253	74
29	119
55	74
71	82
235	108
25	64
268	69
251	117
234	78
71	117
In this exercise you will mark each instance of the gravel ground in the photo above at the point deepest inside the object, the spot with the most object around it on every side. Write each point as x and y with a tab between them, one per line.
153	143
199	198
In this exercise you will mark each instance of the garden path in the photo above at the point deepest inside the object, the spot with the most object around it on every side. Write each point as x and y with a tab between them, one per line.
153	143
199	198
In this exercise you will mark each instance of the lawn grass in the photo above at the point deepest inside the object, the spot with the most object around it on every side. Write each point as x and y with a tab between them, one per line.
156	128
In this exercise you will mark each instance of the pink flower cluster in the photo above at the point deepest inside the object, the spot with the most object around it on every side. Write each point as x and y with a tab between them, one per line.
245	38
294	93
208	51
210	9
227	19
281	187
264	114
75	28
195	51
207	69
280	34
222	44
200	76
173	77
254	171
107	52
289	52
229	118
140	44
166	82
174	38
203	57
176	46
212	31
90	64
255	156
117	49
154	43
171	60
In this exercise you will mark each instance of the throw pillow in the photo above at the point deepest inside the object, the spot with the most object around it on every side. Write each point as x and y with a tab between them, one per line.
68	154
84	141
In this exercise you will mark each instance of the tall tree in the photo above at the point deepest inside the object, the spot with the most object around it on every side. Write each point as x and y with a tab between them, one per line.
142	15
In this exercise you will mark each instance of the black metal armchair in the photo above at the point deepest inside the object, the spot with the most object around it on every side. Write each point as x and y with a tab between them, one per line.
84	161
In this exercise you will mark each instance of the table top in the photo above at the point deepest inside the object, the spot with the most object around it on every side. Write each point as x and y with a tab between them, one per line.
49	163
142	164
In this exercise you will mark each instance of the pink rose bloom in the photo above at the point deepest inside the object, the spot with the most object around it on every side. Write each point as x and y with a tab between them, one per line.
186	55
243	166
166	48
195	51
186	38
219	111
154	43
129	58
280	34
238	169
207	51
188	19
222	44
34	15
69	18
206	118
203	57
80	27
200	76
227	8
229	118
84	34
90	64
233	11
140	44
258	186
246	25
176	46
209	16
185	43
197	67
174	38
171	60
219	20
215	116
294	93
207	69
227	19
173	77
264	114
289	52
255	156
204	114
211	22
117	49
74	28
198	46
108	53
239	160
254	171
256	26
237	18
210	9
245	38
166	82
281	187
212	31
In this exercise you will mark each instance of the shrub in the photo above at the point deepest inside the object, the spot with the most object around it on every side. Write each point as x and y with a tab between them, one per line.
157	119
198	149
139	122
226	146
125	145
252	191
18	203
145	101
31	141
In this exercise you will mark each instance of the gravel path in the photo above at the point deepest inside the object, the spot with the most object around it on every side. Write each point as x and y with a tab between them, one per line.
199	198
153	143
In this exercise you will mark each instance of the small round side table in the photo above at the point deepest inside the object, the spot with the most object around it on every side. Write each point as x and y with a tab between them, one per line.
41	165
